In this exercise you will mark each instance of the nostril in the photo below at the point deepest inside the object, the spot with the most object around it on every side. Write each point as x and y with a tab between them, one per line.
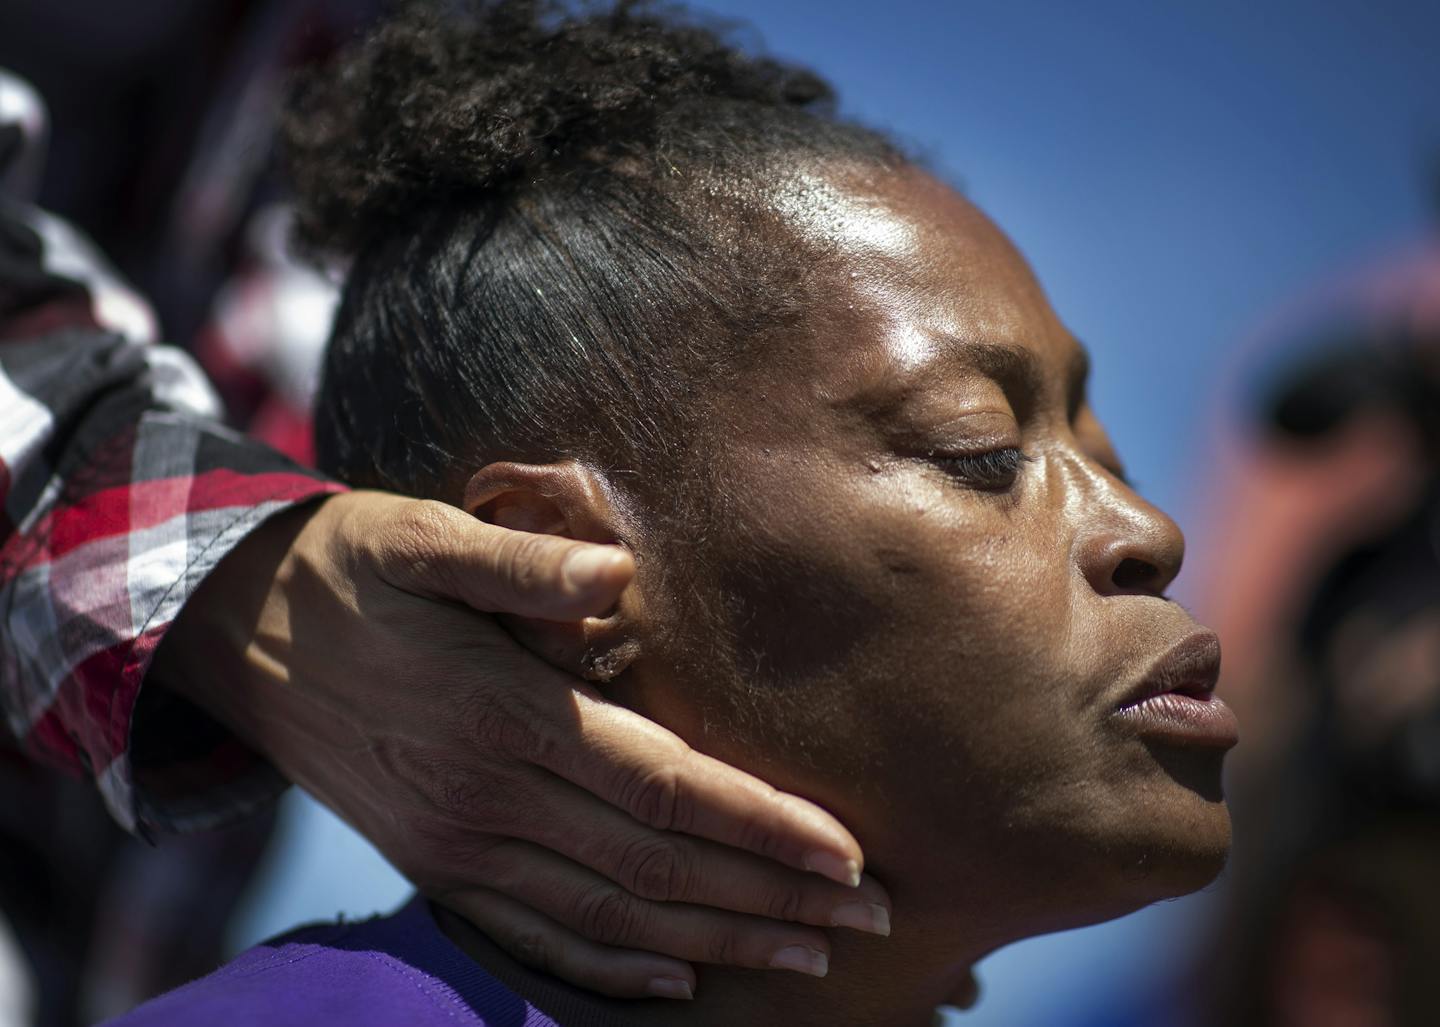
1132	575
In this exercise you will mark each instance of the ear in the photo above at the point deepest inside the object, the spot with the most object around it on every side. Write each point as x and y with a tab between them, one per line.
572	500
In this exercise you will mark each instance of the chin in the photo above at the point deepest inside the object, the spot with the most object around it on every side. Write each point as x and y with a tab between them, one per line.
1169	839
1119	862
1136	871
1185	864
1174	845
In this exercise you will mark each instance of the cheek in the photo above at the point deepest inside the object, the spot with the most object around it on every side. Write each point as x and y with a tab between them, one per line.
984	679
915	633
928	667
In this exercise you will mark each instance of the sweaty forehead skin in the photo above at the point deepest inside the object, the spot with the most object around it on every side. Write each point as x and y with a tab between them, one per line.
927	271
838	211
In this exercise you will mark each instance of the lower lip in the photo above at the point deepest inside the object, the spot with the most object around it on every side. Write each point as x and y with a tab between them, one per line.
1183	720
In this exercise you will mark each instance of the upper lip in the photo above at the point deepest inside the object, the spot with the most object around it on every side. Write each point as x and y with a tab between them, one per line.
1191	668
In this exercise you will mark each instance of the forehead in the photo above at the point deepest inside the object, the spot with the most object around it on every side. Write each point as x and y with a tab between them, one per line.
913	279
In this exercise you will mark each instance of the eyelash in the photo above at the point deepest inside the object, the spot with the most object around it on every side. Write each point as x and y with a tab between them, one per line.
991	471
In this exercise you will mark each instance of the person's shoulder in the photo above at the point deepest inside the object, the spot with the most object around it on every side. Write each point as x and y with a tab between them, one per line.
335	973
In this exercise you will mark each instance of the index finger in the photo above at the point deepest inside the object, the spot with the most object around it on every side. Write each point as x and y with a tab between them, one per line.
653	775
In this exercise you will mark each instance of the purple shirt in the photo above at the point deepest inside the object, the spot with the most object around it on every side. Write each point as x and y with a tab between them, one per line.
388	971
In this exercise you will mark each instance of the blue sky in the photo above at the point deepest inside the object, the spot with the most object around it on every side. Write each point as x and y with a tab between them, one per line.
1175	172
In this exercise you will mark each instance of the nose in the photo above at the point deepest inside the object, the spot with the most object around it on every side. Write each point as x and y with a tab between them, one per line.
1128	546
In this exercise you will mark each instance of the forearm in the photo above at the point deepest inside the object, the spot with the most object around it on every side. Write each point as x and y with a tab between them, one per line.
120	492
237	615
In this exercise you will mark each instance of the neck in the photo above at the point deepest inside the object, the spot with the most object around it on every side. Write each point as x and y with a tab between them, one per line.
872	981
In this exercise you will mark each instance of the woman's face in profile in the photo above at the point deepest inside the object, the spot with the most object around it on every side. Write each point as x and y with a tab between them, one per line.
928	591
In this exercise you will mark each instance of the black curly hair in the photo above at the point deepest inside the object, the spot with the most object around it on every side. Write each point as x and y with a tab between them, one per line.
554	229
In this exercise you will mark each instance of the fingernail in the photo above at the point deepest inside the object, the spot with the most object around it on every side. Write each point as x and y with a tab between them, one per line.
584	568
862	916
841	871
801	959
670	987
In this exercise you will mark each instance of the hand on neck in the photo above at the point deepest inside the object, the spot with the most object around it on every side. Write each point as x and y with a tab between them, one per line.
872	981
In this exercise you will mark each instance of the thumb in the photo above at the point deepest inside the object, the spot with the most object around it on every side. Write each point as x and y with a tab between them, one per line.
445	553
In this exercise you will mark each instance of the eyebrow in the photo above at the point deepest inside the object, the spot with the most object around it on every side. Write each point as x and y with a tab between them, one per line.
1017	368
1014	367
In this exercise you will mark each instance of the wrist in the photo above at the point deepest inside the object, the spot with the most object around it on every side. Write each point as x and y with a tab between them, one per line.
208	654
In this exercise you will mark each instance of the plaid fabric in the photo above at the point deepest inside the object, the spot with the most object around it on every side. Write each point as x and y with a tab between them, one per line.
119	492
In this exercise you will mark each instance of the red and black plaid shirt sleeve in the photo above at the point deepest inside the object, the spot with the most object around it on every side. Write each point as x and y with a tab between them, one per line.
119	492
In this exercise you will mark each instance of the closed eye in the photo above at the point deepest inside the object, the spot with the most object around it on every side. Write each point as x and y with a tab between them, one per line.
992	471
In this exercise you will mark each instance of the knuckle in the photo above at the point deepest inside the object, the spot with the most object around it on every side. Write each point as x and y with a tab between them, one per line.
533	949
416	534
606	914
654	799
756	835
460	795
784	903
721	947
496	720
431	840
468	800
460	830
421	525
445	799
655	869
524	564
492	858
437	863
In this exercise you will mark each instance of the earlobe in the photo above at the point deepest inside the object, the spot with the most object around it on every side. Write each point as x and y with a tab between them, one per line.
598	649
613	642
609	657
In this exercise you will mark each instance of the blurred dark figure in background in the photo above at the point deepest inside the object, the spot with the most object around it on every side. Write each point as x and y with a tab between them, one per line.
1332	602
103	919
161	117
161	150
